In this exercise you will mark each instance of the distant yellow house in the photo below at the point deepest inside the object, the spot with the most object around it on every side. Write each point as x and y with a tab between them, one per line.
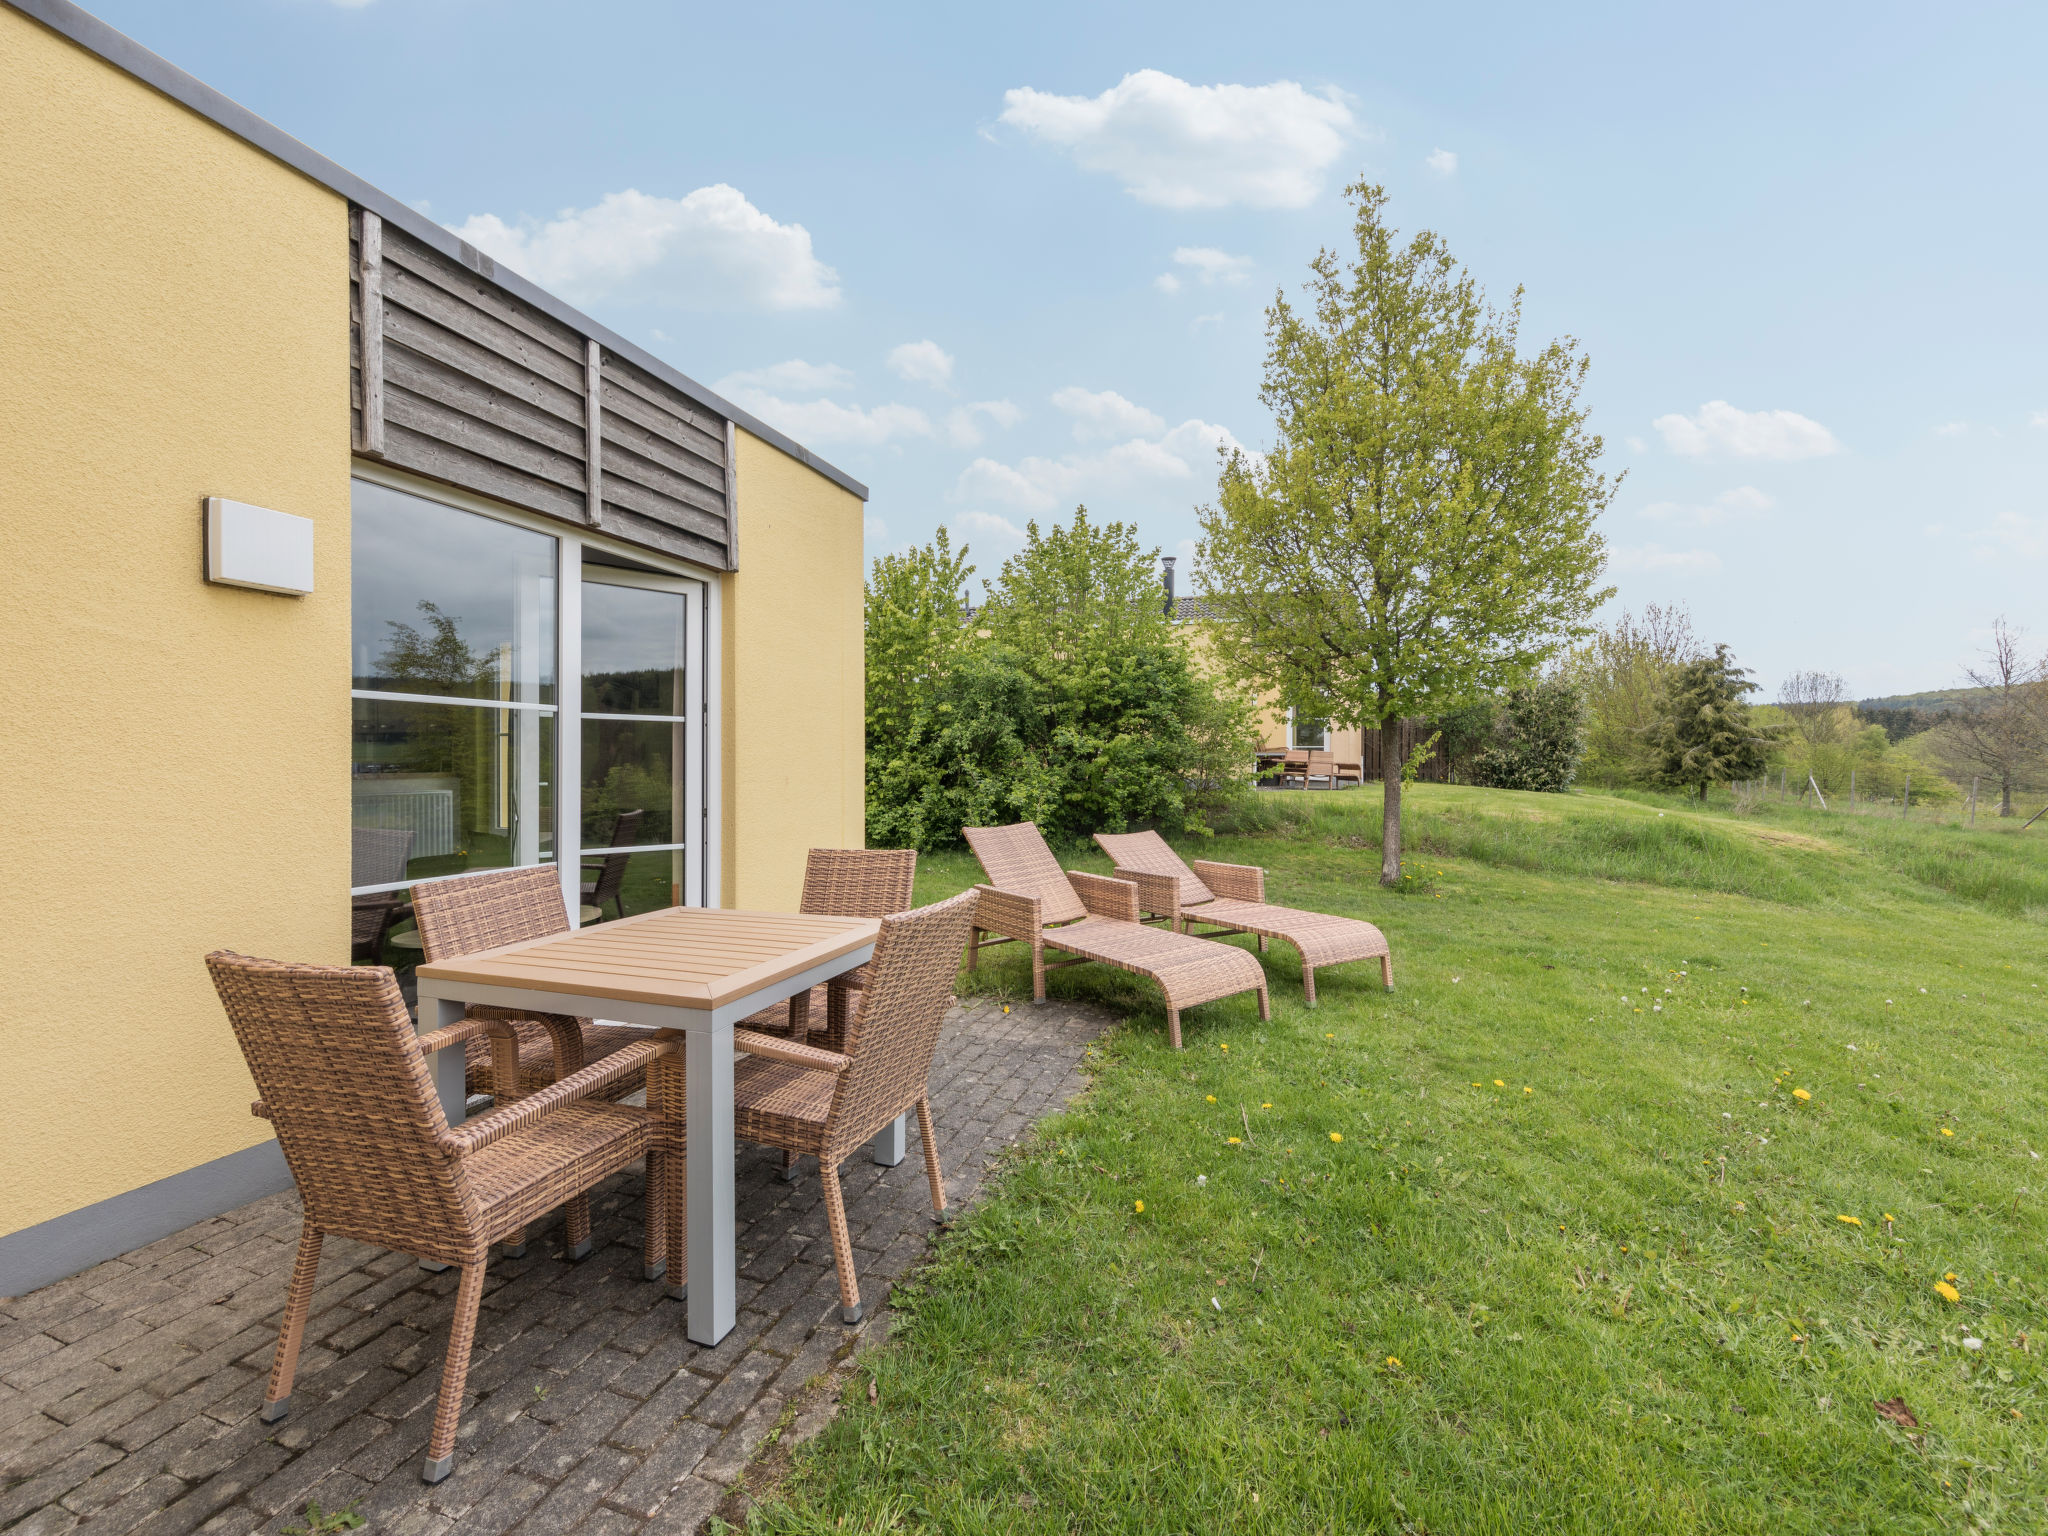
340	558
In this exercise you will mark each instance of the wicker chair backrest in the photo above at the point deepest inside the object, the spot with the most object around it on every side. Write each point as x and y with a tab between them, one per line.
858	882
894	1032
1150	854
378	855
611	875
1016	859
479	912
338	1065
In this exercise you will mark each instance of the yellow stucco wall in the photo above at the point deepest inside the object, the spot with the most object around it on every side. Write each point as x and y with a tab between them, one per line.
794	728
173	325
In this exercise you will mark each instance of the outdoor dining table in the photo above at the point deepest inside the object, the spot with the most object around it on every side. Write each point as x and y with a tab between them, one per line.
696	969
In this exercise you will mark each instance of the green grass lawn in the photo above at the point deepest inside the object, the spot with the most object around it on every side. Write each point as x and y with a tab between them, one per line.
1579	1260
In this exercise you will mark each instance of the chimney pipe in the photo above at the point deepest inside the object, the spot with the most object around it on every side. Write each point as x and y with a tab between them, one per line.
1167	562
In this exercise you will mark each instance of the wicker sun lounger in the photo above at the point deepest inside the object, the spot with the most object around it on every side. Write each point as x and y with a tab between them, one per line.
1030	900
1233	897
344	1080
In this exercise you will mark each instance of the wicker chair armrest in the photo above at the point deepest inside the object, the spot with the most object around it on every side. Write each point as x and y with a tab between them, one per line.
459	1031
476	1134
1012	915
1233	882
784	1050
1159	894
259	1109
1104	897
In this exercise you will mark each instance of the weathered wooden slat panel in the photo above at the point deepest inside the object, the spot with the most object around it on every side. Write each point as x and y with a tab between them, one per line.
669	401
461	355
653	534
424	455
473	396
642	441
629	405
627	464
624	493
407	290
477	292
432	419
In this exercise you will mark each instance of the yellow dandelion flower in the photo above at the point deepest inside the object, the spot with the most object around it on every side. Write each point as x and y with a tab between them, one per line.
1852	1221
1946	1131
1336	1135
1006	1007
1265	1106
1236	1141
1138	1206
1946	1291
1223	1047
1528	1090
1475	1085
1950	1275
1801	1094
1329	1037
1498	1083
1211	1098
1393	1363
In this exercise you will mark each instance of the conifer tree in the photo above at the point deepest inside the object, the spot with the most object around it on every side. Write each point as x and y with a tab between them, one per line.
1704	734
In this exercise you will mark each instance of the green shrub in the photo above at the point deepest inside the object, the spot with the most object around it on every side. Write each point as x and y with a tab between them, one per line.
1538	738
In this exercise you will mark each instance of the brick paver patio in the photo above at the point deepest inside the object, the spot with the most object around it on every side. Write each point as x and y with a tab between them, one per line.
128	1394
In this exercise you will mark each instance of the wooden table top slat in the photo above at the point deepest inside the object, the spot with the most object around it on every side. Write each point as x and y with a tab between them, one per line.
682	957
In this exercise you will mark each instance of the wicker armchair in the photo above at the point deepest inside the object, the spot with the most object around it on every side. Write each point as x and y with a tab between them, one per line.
378	856
1030	900
842	882
830	1103
508	906
344	1080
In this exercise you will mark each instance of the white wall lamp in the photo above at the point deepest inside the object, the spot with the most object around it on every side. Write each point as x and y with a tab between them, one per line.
255	547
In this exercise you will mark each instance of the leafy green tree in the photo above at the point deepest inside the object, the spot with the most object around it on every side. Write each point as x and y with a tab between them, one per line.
1704	734
1073	702
1423	529
914	625
1538	739
1622	667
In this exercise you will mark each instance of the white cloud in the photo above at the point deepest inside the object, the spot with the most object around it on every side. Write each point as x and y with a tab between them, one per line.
1106	414
1180	456
827	421
710	250
1211	265
2013	533
1952	429
1720	428
989	526
922	362
795	377
1177	145
1443	161
1166	282
1743	501
2038	419
1655	557
1200	321
963	424
1637	445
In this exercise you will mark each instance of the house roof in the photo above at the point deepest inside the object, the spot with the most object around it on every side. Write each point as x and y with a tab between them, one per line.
131	58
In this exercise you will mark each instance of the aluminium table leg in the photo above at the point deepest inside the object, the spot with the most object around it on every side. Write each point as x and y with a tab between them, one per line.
887	1146
707	1085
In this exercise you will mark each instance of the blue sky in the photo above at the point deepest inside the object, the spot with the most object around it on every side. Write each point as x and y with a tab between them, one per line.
997	261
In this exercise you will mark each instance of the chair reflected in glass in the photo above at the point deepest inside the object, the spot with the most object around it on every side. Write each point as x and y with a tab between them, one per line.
378	856
610	884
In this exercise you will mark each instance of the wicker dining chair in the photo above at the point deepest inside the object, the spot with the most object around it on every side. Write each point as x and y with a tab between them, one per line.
344	1080
830	1103
842	882
610	884
377	856
509	906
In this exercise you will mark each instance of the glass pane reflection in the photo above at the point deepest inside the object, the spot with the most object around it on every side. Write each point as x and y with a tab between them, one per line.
628	766
447	602
470	785
632	650
643	882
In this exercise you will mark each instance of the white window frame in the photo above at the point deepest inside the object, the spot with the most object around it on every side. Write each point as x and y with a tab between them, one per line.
703	662
1301	746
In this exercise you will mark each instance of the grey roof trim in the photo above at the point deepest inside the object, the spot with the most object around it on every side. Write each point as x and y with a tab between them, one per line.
129	56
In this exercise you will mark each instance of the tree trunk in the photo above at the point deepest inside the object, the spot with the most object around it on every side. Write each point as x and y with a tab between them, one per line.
1390	810
2005	796
1703	791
